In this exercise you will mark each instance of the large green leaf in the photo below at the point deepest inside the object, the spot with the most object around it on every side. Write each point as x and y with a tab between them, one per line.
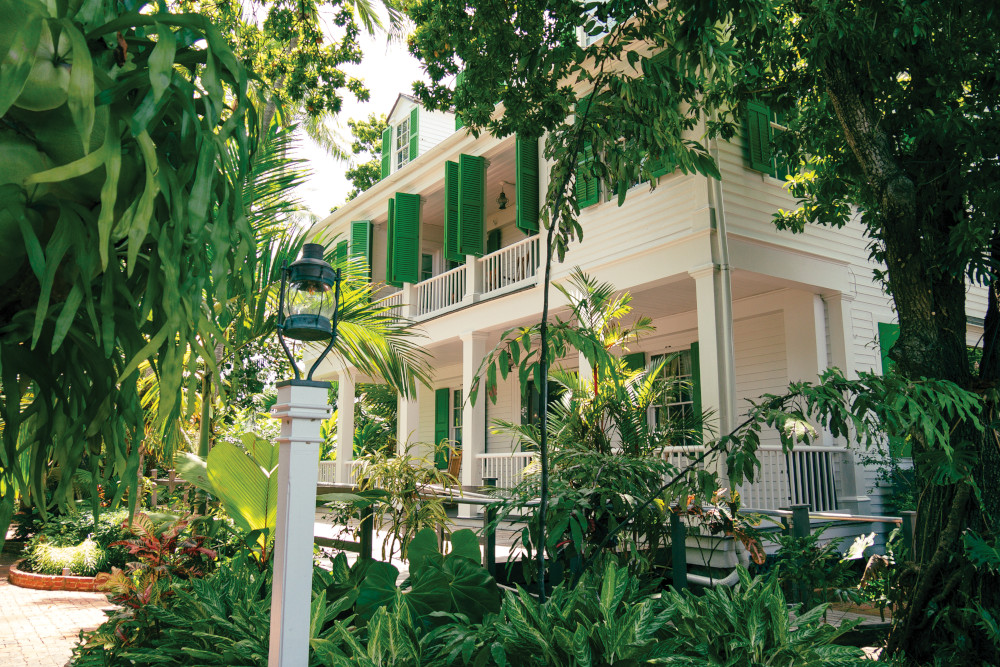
248	492
193	470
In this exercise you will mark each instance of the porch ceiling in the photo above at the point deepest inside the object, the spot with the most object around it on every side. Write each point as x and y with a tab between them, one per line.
677	294
501	168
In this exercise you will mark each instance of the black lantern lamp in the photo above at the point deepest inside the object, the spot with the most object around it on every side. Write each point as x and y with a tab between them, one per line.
307	308
502	199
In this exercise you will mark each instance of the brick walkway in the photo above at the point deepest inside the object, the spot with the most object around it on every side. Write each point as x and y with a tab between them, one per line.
40	628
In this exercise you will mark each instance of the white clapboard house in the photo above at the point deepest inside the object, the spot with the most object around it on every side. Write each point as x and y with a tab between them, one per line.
451	232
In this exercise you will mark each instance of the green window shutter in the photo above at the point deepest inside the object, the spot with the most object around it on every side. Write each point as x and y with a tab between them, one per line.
696	388
526	184
471	204
493	241
442	410
458	83
758	138
451	252
406	245
361	242
390	274
888	334
340	255
414	130
635	361
588	186
386	150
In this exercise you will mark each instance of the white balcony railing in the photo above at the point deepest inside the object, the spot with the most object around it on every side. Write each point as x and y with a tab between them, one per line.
507	468
441	291
510	266
806	475
394	302
328	471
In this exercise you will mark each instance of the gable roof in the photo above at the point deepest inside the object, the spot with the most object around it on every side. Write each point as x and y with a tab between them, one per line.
399	98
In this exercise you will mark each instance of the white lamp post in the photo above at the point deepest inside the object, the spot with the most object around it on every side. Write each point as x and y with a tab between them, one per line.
310	290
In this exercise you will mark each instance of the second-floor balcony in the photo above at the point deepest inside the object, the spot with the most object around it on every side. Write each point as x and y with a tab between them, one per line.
509	269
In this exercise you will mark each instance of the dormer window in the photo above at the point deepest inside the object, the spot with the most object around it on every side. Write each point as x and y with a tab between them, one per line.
402	145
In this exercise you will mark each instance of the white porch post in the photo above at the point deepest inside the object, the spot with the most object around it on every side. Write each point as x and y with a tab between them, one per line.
407	421
302	406
851	496
409	308
345	426
473	279
715	352
473	415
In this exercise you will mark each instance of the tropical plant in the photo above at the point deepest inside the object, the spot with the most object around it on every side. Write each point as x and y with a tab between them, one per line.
417	488
810	567
749	625
244	478
86	558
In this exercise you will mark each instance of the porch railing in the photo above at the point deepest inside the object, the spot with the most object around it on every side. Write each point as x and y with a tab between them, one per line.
394	302
513	265
804	476
506	468
441	291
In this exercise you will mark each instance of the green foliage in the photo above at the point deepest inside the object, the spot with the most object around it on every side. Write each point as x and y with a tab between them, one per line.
85	559
104	199
295	59
805	564
244	478
367	142
749	625
416	487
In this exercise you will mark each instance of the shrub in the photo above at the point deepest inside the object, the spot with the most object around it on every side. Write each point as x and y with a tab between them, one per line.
84	559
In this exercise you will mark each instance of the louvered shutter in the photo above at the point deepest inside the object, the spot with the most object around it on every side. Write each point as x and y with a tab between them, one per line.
471	204
386	150
442	404
414	132
406	248
361	242
451	252
458	83
390	248
526	185
758	138
588	186
696	390
340	255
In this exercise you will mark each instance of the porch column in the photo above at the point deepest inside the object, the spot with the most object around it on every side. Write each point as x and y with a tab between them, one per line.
345	426
407	421
715	351
851	494
473	280
473	415
409	307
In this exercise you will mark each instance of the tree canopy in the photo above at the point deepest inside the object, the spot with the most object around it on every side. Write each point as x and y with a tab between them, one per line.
367	144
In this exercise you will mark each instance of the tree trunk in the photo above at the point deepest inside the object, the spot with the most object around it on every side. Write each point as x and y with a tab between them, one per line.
914	225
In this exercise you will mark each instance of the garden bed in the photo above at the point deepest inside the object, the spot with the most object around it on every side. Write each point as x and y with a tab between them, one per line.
54	582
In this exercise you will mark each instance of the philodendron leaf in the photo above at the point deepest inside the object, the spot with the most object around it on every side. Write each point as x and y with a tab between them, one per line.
193	470
250	494
464	543
423	549
378	588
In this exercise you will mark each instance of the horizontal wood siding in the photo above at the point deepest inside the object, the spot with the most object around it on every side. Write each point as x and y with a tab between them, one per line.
435	126
759	347
645	220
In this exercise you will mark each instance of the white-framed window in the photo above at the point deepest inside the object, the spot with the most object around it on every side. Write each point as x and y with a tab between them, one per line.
678	399
401	147
456	417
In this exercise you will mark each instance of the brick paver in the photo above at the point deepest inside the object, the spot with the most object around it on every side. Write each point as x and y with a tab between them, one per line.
40	628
